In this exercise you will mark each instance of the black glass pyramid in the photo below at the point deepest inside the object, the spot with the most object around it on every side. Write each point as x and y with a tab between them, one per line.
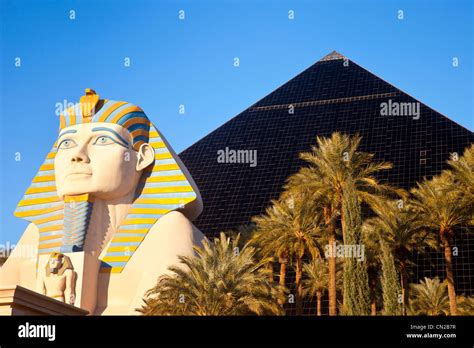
335	94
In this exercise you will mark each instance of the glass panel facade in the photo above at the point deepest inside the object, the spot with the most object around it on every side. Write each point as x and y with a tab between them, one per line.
335	94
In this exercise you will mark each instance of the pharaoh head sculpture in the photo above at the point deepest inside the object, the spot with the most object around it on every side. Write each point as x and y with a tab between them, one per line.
106	150
57	264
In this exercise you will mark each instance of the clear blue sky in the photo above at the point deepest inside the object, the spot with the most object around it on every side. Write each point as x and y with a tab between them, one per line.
190	62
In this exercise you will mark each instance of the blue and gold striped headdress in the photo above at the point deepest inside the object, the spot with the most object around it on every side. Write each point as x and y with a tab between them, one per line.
165	186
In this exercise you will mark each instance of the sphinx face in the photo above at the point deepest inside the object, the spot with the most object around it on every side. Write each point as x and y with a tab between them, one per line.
96	158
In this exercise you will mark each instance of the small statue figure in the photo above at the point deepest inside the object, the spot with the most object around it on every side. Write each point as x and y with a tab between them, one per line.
59	279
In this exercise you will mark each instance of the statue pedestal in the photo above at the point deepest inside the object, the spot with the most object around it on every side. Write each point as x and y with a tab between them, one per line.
17	300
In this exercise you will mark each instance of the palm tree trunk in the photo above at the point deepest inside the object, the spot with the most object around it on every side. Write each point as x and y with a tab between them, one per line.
283	261
282	273
331	263
449	276
344	242
404	283
332	275
299	276
319	296
373	300
270	272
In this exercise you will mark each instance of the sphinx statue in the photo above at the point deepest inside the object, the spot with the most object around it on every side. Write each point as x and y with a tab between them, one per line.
114	197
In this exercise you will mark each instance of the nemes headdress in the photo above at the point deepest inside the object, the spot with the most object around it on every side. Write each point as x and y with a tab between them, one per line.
165	185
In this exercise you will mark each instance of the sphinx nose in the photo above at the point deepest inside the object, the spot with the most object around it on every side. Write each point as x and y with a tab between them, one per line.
80	156
78	159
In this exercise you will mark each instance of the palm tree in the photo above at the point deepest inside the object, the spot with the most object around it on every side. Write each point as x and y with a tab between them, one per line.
463	172
440	206
218	281
331	163
244	233
429	298
465	305
294	232
316	282
249	235
397	226
263	239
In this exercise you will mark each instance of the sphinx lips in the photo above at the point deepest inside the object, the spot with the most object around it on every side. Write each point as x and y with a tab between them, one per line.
78	175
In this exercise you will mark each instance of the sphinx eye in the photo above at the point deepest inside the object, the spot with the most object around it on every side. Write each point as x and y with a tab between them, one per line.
104	140
67	144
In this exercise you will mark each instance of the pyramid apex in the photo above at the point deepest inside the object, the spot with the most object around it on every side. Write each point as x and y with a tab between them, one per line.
332	56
